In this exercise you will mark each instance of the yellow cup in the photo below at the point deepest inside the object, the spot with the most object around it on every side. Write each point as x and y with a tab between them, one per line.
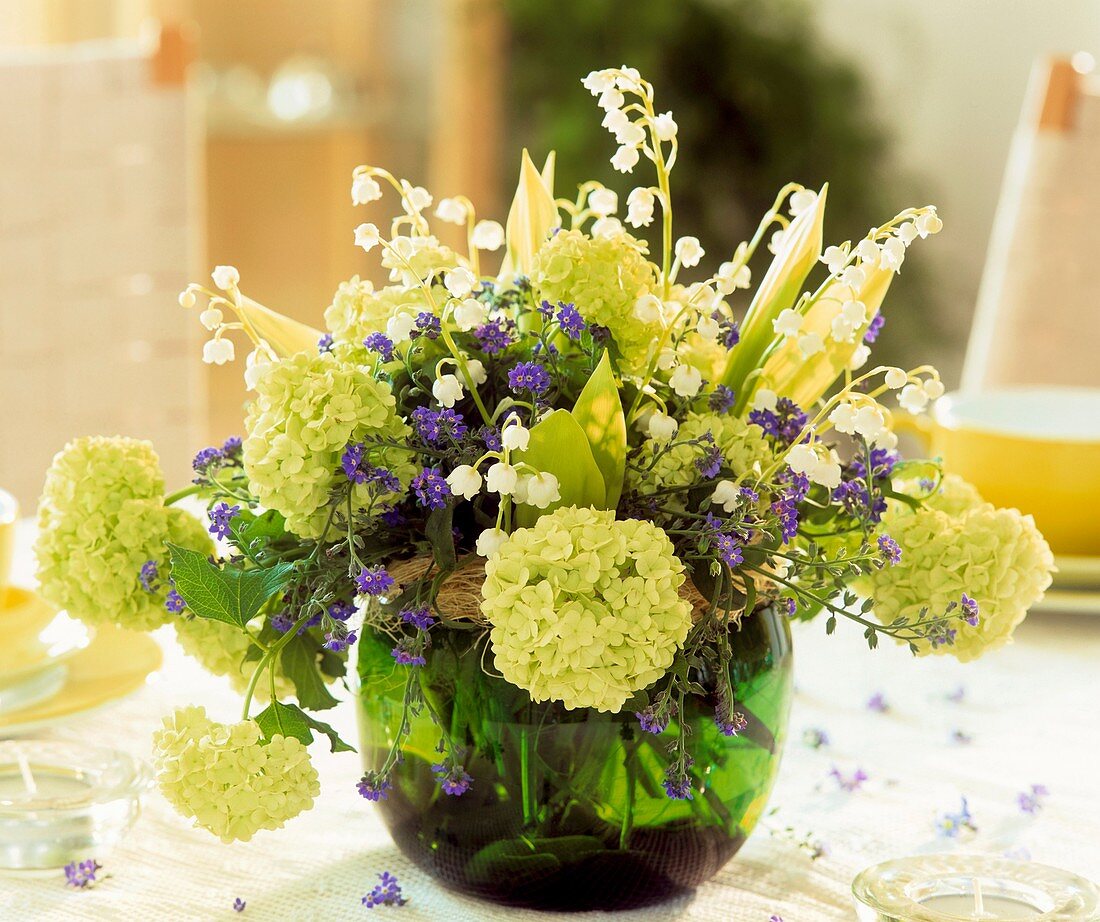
9	512
1035	449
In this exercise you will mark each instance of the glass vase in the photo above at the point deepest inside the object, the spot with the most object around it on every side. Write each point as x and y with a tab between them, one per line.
567	809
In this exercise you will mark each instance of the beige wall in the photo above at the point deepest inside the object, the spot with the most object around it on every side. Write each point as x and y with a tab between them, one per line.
950	78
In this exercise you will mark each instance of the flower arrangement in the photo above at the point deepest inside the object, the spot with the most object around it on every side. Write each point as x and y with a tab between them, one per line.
593	470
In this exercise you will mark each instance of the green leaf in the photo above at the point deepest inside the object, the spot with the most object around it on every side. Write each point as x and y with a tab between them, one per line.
599	411
290	720
559	446
438	531
227	594
300	665
284	720
248	528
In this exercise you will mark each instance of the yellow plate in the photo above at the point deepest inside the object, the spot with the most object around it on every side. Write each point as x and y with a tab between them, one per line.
36	635
115	664
1077	572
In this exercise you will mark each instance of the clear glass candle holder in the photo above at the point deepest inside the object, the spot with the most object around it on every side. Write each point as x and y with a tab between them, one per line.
965	888
63	801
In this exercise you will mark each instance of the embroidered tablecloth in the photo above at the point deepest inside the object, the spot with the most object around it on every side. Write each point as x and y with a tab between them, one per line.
1026	715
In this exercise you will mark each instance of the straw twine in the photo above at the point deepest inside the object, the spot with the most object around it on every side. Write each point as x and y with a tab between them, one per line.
460	593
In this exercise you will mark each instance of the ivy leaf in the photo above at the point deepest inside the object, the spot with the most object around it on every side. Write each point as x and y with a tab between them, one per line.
599	411
290	720
559	446
300	665
228	594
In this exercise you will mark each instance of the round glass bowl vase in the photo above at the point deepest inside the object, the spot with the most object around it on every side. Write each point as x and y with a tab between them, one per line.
567	809
64	801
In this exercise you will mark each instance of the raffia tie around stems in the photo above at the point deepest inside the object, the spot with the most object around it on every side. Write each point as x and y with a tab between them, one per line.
460	593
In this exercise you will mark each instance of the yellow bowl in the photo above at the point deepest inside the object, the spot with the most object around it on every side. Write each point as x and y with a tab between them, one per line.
9	512
1035	449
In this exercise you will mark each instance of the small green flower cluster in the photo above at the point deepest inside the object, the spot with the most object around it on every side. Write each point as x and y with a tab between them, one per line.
229	779
101	517
585	609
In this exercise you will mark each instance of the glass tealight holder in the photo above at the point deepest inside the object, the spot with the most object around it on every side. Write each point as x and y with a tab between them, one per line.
966	888
63	801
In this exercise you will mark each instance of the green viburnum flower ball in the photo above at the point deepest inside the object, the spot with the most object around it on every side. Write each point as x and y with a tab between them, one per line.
100	518
585	609
220	649
226	779
960	543
307	409
412	260
742	445
602	277
357	309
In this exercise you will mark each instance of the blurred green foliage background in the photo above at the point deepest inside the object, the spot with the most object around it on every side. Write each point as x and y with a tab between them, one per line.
759	99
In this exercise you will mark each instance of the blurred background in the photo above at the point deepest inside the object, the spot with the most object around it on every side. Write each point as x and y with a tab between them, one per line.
143	141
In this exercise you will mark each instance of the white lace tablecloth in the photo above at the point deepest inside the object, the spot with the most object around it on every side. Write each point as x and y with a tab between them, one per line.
1030	709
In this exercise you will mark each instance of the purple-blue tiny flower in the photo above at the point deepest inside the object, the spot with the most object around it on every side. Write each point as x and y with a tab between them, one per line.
889	548
205	458
427	324
232	447
373	787
970	610
957	695
374	581
239	905
387	892
571	322
529	376
728	550
849	783
405	655
874	328
82	874
434	426
220	517
546	309
731	724
381	344
709	463
454	781
877	703
282	622
419	617
341	610
174	602
339	639
731	333
149	576
1031	800
351	461
431	488
721	399
324	344
490	438
789	606
677	783
652	721
493	337
815	737
951	825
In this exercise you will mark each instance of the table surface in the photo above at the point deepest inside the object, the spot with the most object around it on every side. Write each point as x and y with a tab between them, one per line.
1030	710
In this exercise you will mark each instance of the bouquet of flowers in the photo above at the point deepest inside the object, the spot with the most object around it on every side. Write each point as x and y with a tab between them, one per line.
583	470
